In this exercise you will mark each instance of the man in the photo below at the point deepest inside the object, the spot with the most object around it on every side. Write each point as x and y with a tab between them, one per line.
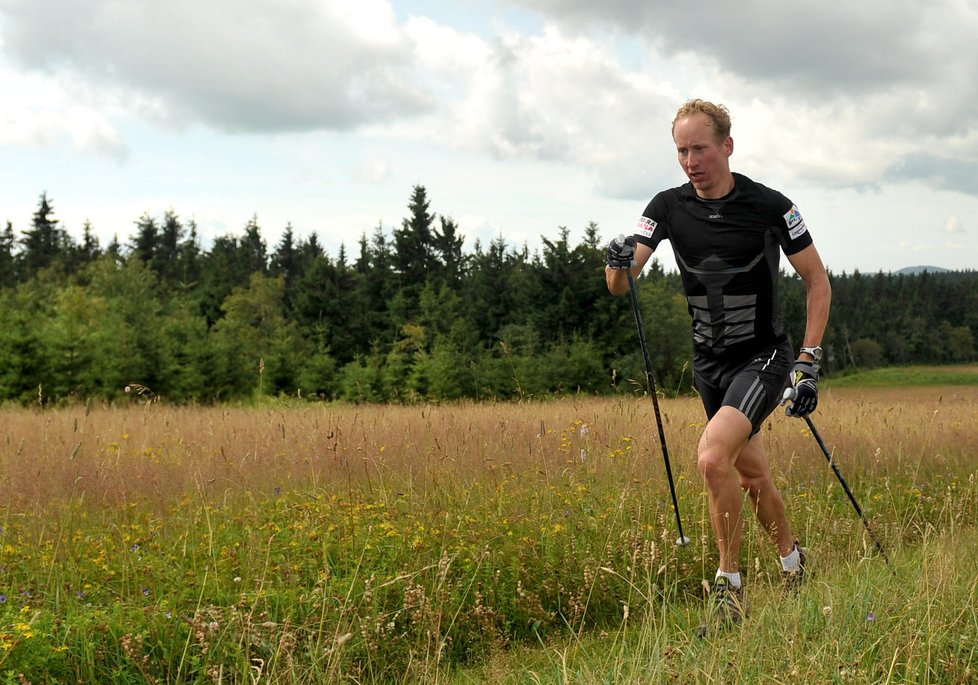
727	233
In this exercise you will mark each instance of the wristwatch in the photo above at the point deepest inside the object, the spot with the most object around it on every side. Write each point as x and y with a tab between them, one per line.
816	352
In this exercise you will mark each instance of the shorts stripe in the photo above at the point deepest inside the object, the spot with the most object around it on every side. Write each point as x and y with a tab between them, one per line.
751	398
753	388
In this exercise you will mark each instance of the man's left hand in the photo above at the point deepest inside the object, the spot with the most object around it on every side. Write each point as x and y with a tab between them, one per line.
804	383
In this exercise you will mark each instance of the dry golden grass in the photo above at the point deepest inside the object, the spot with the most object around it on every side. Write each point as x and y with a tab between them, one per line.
155	453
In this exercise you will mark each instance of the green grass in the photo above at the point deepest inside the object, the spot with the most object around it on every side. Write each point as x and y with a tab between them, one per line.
472	543
906	376
855	622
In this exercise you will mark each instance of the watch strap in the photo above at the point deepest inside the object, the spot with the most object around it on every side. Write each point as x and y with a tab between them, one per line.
815	351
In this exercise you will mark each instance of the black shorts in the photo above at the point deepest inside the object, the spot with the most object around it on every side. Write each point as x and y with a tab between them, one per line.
753	388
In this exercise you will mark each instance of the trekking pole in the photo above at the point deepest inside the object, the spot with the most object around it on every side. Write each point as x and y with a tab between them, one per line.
789	394
633	291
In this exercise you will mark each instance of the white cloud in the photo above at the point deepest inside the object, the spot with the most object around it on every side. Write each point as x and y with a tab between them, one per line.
445	49
239	65
372	171
850	93
953	225
44	114
555	97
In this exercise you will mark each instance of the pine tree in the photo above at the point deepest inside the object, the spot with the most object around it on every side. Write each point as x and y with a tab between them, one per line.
189	257
43	242
8	266
330	304
221	272
447	245
146	242
90	250
380	287
253	252
285	262
413	252
487	288
166	260
413	242
257	348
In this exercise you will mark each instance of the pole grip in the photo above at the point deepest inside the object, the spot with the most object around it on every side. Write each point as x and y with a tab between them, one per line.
789	395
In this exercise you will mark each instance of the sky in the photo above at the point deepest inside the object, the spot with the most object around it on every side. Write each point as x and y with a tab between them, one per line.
519	117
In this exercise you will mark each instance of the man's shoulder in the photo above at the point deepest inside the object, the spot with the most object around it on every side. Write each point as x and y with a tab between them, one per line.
671	196
749	188
684	190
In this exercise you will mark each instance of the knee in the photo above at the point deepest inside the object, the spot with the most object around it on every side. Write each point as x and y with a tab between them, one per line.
714	465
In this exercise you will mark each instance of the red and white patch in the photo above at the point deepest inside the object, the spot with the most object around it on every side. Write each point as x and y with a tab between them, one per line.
646	227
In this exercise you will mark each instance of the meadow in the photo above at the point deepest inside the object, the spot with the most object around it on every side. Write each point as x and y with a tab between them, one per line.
468	543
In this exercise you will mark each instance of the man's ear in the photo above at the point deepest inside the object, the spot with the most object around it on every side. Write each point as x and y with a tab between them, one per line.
728	146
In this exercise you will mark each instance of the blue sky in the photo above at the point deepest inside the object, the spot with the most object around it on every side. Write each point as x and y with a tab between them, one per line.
518	116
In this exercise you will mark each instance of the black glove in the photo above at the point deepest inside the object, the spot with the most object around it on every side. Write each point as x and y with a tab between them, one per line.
621	252
804	389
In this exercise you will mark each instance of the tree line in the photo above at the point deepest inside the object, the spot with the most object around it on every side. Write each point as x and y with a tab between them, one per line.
410	317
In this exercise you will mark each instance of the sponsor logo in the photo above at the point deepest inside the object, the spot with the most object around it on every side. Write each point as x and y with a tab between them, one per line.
646	227
793	217
796	225
798	231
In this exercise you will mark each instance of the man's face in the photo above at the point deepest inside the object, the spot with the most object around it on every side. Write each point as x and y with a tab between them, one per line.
705	160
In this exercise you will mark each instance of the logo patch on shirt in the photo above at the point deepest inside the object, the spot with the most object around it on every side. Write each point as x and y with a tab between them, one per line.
796	225
646	227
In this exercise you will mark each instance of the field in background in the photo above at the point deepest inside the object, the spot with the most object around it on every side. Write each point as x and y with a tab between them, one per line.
907	376
506	542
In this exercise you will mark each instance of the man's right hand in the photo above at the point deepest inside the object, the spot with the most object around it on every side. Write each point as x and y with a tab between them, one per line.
621	253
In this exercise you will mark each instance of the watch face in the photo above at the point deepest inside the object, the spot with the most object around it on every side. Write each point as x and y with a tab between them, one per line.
816	352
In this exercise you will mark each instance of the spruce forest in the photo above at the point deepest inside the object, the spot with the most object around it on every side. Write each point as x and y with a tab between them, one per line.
408	316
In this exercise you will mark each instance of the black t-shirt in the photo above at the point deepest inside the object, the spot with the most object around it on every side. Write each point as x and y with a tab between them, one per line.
728	252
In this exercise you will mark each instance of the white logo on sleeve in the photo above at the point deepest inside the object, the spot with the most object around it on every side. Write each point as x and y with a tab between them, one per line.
646	227
796	225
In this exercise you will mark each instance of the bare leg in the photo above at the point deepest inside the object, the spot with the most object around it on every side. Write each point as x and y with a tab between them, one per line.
756	481
731	462
724	439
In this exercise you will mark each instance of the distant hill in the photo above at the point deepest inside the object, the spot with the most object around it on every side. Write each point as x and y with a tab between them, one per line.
911	270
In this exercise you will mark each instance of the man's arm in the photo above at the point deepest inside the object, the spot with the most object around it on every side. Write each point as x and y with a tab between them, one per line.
617	279
809	266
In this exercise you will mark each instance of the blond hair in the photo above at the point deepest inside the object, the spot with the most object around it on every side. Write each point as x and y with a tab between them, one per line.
718	114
